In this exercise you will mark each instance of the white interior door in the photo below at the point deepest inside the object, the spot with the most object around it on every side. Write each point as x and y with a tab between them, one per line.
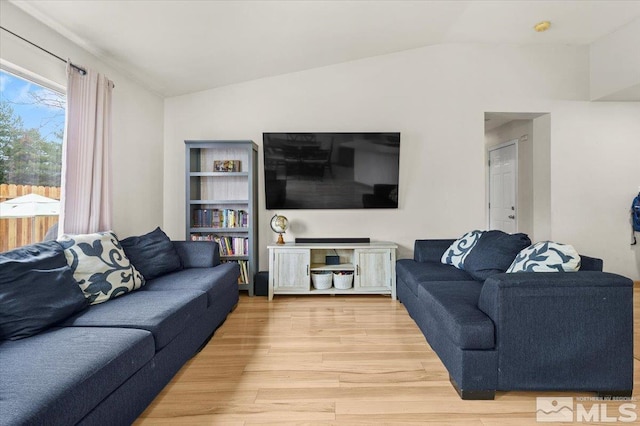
502	187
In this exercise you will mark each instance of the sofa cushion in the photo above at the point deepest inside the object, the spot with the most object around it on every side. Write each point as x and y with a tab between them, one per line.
212	281
152	254
60	375
100	266
453	306
198	254
412	273
37	290
546	256
458	251
493	253
164	313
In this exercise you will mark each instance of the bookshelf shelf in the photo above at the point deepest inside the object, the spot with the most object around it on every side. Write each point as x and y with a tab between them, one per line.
234	257
218	174
222	205
203	202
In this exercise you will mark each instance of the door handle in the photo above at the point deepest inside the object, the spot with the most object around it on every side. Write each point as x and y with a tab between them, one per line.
511	216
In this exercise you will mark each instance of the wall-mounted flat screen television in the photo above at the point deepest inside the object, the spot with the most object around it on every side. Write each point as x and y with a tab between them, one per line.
331	170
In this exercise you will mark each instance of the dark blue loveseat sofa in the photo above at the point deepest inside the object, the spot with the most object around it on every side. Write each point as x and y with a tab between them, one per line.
570	331
105	364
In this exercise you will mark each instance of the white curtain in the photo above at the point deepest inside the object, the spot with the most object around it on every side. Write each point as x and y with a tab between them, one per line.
86	164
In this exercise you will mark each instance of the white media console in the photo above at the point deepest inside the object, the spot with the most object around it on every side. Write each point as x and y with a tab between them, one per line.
373	266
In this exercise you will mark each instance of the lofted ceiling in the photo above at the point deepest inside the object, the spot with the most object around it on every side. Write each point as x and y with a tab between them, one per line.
178	47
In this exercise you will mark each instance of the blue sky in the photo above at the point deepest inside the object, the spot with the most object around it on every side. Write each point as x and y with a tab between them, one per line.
19	93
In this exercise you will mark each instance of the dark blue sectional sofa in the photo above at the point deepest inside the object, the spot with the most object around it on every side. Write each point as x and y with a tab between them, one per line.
569	331
105	364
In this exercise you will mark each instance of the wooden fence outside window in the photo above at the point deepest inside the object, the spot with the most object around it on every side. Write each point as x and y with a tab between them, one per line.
22	231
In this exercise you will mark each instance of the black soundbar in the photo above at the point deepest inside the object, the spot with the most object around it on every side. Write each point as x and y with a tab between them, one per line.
333	240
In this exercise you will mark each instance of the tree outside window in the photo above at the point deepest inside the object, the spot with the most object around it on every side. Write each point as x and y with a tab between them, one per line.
31	133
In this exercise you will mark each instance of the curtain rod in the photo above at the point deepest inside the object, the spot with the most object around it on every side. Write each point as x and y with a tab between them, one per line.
79	69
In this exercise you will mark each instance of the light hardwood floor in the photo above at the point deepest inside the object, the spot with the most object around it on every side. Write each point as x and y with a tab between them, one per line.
333	360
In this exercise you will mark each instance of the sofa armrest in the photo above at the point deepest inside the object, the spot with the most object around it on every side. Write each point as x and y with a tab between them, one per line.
546	286
430	250
562	330
198	254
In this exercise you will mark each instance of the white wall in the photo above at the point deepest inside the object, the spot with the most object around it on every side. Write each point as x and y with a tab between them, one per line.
542	178
436	96
615	64
137	118
595	174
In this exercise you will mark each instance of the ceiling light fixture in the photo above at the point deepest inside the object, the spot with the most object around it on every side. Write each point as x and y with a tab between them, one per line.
542	26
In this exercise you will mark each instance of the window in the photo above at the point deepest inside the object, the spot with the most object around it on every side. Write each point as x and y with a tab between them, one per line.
32	119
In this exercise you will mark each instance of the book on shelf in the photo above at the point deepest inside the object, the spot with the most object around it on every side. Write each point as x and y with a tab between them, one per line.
233	246
198	237
228	246
215	218
244	270
220	218
201	217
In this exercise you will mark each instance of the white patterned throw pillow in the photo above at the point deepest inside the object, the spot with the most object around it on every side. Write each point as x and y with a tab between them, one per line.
546	256
100	266
458	251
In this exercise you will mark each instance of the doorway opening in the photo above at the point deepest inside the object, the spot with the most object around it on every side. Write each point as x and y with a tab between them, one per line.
518	190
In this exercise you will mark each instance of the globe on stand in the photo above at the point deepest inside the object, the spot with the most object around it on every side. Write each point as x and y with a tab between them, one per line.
279	224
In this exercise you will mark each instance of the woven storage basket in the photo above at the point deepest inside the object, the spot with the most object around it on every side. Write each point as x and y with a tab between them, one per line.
343	281
321	281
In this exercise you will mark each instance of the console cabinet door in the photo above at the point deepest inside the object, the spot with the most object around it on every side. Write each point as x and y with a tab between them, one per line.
291	269
373	270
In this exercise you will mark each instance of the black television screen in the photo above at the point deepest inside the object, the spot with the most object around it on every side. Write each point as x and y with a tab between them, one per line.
331	170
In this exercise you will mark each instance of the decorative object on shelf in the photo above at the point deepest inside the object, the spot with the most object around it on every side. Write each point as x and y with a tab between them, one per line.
343	280
226	166
279	224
